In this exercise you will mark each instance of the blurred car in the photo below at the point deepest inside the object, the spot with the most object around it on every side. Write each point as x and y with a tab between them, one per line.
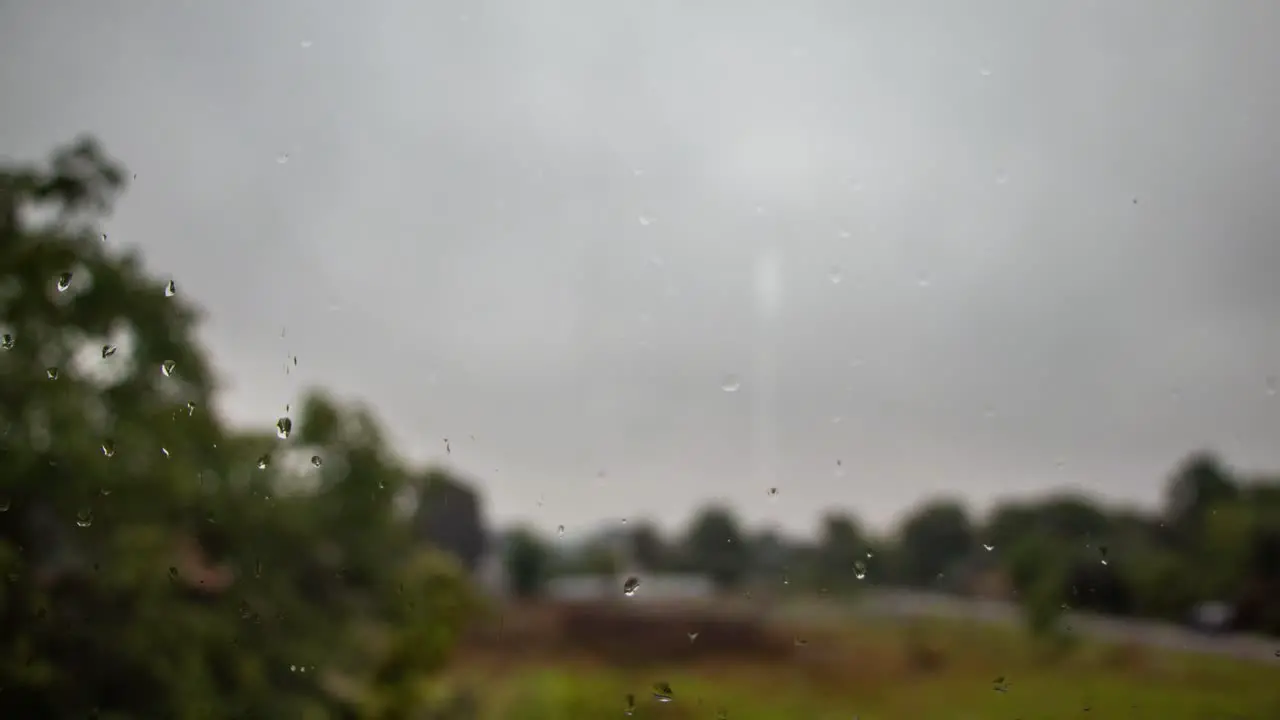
1212	617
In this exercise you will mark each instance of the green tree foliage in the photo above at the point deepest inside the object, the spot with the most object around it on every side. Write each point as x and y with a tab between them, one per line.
841	554
156	563
450	518
716	546
528	562
933	539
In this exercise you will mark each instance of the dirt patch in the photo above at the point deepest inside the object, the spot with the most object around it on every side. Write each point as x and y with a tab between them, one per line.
621	635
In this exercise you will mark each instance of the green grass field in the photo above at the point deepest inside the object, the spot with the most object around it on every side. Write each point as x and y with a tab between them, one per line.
936	670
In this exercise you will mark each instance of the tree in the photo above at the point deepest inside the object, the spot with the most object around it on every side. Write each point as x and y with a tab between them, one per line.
714	545
933	539
449	517
157	564
1199	482
648	549
528	561
841	559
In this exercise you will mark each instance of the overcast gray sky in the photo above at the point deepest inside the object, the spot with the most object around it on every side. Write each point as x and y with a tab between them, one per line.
560	227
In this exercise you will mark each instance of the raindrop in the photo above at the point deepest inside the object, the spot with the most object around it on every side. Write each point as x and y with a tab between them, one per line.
859	569
108	351
1002	178
263	462
1273	385
257	567
171	289
723	714
6	342
836	275
164	451
985	72
315	460
6	503
104	237
108	448
988	548
305	44
167	368
662	692
630	708
282	158
801	642
191	408
51	373
645	220
173	572
773	492
1000	684
560	531
64	282
730	383
924	281
630	586
1102	549
84	518
284	426
694	636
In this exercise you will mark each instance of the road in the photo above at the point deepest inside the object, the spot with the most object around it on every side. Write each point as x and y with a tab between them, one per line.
910	603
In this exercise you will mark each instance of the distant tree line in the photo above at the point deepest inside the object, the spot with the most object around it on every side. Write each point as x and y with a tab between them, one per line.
1215	538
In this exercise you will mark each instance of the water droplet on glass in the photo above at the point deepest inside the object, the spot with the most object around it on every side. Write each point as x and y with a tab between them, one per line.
662	692
1002	178
64	282
836	275
6	342
859	569
645	220
801	642
630	708
988	548
1273	385
164	451
104	237
693	635
730	383
108	351
924	281
985	72
108	448
173	572
263	462
773	492
282	158
305	44
167	368
1102	550
284	426
630	586
1000	684
315	460
560	531
6	503
84	518
51	373
191	408
171	289
257	568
